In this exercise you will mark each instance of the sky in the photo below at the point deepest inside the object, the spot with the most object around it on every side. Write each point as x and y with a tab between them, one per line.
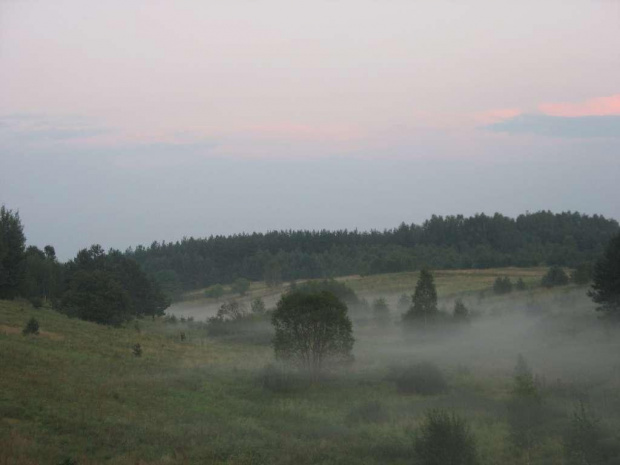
126	121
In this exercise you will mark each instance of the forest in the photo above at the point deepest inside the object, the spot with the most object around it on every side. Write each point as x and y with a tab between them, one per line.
451	242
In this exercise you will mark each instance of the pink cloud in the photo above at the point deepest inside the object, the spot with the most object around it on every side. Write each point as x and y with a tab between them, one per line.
600	106
495	116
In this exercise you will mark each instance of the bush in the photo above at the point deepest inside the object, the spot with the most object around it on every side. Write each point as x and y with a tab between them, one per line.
214	292
32	327
521	285
368	412
422	378
137	350
258	306
502	285
445	438
460	312
554	277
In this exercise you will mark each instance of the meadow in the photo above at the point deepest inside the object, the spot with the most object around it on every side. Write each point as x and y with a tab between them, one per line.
78	394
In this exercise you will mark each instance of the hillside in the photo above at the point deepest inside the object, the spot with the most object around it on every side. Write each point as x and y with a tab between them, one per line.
76	392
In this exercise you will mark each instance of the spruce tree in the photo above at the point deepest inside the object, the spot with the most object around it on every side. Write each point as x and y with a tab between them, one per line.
424	307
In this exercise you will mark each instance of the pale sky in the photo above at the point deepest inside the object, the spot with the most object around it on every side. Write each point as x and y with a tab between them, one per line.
124	122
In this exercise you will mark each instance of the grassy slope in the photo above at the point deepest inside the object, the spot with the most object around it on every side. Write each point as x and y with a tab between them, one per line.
77	391
448	282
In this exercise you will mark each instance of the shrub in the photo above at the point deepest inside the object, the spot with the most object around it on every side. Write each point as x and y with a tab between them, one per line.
258	306
445	438
137	350
502	285
422	378
32	327
214	292
521	285
460	312
554	277
368	412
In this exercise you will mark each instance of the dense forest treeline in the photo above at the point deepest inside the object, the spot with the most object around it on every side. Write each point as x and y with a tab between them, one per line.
450	242
109	288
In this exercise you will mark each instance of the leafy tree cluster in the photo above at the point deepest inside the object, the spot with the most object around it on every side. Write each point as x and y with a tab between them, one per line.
339	289
27	272
311	330
109	288
480	241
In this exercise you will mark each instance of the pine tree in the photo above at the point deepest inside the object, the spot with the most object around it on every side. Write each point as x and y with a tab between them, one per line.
424	307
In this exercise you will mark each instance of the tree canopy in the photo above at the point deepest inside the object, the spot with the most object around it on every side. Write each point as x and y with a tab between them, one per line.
12	247
312	329
451	242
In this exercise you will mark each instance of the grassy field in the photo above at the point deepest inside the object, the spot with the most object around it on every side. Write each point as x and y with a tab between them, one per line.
449	283
77	392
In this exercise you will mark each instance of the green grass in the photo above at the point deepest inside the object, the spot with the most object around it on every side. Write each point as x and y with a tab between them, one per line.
77	391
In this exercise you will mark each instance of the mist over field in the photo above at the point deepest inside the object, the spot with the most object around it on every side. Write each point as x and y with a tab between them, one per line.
342	232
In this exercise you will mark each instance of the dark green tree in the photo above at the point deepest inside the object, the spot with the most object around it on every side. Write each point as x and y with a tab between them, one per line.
312	330
12	246
444	438
97	296
606	281
424	307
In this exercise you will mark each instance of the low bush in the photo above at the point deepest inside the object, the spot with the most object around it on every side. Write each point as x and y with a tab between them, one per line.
555	277
422	378
502	285
32	327
445	438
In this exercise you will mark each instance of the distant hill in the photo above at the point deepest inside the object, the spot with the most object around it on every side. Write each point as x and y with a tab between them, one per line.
451	242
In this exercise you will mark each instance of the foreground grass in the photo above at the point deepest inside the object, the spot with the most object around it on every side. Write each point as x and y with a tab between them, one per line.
77	392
